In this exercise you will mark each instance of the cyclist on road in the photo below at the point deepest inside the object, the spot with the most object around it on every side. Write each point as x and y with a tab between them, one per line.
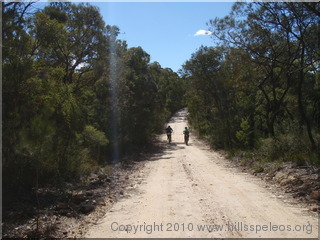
186	135
169	132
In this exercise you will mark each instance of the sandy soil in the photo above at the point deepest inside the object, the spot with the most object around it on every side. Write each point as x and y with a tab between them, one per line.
191	191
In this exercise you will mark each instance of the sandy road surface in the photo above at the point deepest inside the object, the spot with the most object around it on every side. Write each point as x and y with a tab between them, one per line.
189	191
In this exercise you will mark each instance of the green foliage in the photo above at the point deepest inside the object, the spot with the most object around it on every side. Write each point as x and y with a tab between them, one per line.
93	136
286	147
245	134
258	90
73	95
211	96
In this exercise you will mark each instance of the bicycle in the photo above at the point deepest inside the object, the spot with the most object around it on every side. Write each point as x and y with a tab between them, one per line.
186	139
169	137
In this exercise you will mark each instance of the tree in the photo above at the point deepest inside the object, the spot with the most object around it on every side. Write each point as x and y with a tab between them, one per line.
275	35
210	96
74	96
73	39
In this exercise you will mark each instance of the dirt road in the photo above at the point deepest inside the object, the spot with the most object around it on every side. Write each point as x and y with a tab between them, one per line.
191	191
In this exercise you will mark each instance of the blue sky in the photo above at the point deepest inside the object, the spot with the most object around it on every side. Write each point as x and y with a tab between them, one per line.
164	30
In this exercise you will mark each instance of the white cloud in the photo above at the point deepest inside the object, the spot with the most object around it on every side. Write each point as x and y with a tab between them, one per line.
202	32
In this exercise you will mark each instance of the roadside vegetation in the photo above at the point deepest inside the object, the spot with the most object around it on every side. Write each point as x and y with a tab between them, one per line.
75	97
257	94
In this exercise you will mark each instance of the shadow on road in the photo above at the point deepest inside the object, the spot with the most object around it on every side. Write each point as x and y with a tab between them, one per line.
164	150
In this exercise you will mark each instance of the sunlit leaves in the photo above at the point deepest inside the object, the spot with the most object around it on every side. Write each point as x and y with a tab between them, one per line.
93	136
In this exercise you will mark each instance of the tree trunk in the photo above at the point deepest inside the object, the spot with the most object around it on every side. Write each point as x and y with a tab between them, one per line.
304	118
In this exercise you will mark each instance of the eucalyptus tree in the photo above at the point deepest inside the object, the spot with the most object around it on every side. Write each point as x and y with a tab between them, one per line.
72	37
51	61
16	69
210	95
264	49
73	92
299	24
280	40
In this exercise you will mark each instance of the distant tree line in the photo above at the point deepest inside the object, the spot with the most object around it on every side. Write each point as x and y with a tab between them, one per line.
74	96
259	89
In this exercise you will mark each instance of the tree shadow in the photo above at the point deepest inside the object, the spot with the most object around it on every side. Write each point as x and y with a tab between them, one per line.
164	150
